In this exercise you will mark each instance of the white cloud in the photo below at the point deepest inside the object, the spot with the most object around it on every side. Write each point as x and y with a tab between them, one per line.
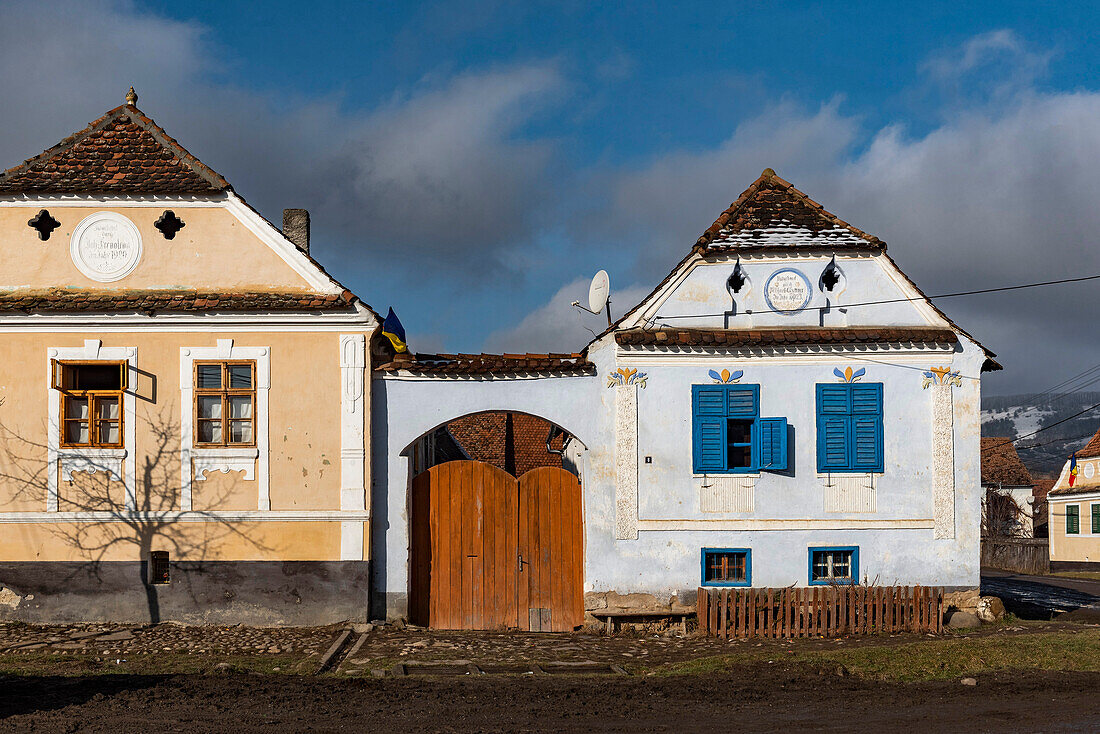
556	326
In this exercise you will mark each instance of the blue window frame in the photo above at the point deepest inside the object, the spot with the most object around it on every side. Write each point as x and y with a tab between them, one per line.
833	565
728	434
726	567
849	428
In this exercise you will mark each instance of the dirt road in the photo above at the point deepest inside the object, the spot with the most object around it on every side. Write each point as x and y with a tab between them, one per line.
753	698
1042	597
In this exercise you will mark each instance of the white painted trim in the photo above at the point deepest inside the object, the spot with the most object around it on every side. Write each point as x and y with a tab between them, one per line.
178	516
91	461
1070	499
171	322
224	460
92	350
193	459
807	354
626	462
943	461
284	248
411	377
353	452
150	201
785	524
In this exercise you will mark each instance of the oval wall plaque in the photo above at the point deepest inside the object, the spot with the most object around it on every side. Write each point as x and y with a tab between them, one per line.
1088	471
787	291
106	246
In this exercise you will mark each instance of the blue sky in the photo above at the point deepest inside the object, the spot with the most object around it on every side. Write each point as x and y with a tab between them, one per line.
472	164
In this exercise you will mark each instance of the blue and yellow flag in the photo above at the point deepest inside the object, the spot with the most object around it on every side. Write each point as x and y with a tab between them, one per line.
1073	468
394	331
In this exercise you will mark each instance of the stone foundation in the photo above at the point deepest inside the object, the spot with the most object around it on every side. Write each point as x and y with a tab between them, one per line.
254	593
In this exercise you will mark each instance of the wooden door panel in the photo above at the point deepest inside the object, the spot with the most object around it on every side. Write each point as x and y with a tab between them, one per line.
550	510
472	524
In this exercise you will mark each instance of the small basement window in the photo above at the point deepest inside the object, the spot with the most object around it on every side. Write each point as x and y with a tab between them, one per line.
91	405
1073	520
727	567
834	565
159	568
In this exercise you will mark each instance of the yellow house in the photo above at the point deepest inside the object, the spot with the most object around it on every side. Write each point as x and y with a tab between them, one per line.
1074	525
183	419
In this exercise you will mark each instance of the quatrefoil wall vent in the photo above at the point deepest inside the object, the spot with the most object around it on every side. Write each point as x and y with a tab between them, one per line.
169	224
44	224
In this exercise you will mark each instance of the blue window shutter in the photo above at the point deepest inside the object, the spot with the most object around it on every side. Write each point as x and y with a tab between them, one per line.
867	443
709	445
833	399
708	400
744	401
833	442
867	399
773	444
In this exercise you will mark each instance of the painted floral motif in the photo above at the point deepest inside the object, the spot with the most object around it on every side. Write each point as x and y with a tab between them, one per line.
941	376
626	376
848	375
725	377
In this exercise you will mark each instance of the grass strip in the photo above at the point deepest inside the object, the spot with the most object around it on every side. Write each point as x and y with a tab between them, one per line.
938	659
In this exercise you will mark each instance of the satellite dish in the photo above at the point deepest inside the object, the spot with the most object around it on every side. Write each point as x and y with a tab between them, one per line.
598	292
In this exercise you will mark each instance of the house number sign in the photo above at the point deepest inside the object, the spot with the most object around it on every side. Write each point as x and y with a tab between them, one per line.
787	291
106	246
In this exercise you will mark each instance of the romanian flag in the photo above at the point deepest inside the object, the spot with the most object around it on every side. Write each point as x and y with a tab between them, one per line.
394	331
1073	469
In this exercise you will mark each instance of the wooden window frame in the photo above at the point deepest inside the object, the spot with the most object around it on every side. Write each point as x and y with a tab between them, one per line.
225	392
57	371
706	553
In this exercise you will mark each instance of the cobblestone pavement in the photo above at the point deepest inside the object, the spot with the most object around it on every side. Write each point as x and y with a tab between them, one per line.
372	648
113	639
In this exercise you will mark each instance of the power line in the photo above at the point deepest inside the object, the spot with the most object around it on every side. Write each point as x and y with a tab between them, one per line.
910	300
1045	428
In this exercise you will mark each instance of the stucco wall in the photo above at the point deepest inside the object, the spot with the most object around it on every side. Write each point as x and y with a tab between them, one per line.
898	541
215	250
304	432
1084	547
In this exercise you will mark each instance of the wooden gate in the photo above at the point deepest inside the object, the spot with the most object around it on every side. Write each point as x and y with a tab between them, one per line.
489	551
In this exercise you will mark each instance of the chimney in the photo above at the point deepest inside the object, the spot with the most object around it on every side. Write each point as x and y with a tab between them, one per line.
296	228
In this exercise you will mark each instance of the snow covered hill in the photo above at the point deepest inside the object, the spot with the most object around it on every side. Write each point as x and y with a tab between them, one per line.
1020	416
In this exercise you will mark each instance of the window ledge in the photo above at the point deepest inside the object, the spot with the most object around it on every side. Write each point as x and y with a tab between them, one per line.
90	460
225	460
725	474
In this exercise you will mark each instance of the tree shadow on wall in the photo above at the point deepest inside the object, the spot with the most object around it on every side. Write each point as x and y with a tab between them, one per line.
107	524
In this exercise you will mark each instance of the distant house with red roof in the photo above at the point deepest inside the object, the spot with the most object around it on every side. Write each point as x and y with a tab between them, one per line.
1004	474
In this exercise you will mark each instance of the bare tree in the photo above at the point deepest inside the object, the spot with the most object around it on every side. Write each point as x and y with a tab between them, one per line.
109	524
1003	517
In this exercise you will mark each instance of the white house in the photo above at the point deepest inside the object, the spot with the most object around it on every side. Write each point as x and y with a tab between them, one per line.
785	408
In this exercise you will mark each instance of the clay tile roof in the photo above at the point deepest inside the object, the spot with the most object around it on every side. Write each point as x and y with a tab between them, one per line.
773	213
784	337
1092	448
1001	464
123	152
492	364
63	300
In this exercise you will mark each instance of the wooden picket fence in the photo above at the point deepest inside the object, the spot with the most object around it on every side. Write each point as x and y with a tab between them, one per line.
819	611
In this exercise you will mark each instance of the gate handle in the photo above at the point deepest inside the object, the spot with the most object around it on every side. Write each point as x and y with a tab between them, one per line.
519	563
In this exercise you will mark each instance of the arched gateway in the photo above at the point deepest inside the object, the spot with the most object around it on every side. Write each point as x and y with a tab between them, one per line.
491	535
